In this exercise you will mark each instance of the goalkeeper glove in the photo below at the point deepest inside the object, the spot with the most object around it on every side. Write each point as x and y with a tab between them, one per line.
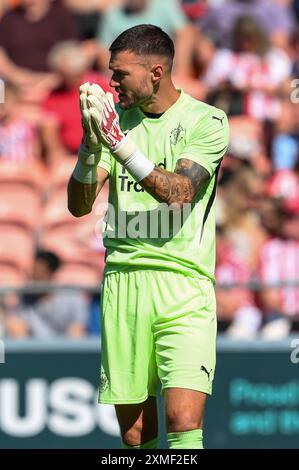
105	120
89	153
90	138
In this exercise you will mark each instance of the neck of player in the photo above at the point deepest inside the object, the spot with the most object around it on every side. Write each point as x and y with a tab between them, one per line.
162	99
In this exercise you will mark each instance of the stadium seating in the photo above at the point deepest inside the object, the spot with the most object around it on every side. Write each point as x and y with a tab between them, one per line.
16	247
79	274
20	204
61	172
11	275
32	175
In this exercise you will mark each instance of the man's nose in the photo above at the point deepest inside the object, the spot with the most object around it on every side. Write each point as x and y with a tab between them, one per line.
113	83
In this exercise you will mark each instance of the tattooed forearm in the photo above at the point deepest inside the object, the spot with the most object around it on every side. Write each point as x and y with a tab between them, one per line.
168	187
196	173
179	187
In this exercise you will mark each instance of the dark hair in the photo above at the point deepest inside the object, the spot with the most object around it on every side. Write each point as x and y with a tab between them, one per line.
144	39
50	259
246	26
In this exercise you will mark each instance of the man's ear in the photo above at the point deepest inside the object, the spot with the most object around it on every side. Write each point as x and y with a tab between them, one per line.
157	73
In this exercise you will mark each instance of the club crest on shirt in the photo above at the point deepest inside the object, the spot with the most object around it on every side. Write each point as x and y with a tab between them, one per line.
177	134
104	382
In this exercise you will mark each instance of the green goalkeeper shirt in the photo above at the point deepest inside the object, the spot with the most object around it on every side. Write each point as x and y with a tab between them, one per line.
141	233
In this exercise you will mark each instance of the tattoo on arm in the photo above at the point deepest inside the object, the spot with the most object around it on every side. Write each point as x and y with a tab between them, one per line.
178	187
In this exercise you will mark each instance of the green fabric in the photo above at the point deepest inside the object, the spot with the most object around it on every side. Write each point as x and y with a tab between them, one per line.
156	324
146	445
140	232
185	440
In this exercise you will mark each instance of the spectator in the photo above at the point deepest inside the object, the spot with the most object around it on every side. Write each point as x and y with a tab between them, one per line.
26	36
248	76
279	262
284	182
241	200
271	215
28	33
247	143
167	14
47	315
71	66
274	17
18	136
237	313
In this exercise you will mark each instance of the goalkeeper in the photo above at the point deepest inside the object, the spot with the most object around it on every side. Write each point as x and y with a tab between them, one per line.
159	148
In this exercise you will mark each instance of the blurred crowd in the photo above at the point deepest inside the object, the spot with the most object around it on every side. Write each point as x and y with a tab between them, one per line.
239	55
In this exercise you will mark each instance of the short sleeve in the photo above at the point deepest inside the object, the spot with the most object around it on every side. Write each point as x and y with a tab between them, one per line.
105	161
208	141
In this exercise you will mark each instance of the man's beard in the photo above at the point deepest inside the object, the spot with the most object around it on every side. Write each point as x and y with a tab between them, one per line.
134	101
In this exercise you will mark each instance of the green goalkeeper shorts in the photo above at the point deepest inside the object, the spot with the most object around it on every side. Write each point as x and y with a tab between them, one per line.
156	325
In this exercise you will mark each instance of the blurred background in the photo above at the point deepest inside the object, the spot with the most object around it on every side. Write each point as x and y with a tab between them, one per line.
239	55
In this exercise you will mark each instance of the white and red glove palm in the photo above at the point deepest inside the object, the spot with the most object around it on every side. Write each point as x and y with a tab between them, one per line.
89	153
105	122
100	112
90	139
105	119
